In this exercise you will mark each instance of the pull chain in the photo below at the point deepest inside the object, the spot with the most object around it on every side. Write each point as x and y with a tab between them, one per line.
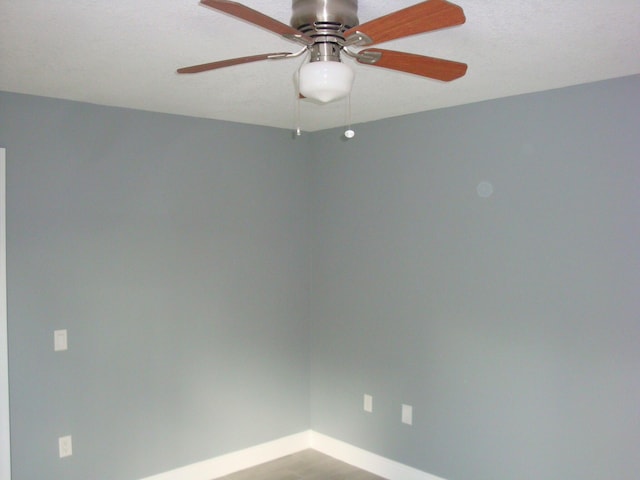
298	130
349	133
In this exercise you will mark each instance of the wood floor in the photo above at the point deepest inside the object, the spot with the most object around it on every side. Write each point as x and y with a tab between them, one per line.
305	465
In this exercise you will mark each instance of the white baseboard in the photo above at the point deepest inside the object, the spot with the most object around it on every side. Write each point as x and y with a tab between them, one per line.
239	460
365	460
250	457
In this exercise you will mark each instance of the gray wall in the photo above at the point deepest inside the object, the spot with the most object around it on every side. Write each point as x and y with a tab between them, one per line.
510	323
176	253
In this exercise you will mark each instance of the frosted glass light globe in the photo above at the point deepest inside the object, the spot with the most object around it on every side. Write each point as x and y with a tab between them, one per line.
325	81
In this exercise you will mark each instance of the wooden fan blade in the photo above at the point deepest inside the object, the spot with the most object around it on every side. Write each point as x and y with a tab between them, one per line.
420	18
232	61
430	67
253	16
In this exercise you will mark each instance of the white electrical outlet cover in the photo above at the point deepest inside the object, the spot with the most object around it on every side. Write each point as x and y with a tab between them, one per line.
60	340
65	447
368	403
407	414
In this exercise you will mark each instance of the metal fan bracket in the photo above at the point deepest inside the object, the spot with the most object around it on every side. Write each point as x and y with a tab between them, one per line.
357	39
276	56
364	57
299	38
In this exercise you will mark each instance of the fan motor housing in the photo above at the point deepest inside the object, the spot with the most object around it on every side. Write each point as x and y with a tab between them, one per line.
318	16
325	21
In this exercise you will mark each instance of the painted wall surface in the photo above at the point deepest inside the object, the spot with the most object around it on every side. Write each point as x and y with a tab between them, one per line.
182	257
509	319
176	253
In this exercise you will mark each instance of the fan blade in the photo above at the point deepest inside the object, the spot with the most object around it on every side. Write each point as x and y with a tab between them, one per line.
233	61
420	18
260	19
430	67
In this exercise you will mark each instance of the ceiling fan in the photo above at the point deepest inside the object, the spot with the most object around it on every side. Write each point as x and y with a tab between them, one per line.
328	28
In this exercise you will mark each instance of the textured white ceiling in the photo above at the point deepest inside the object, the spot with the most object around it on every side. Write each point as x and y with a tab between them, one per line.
125	53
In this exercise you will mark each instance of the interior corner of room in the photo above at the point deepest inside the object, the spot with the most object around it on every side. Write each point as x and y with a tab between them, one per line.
221	287
426	268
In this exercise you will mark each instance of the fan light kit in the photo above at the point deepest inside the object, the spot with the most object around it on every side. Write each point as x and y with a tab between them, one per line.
325	81
328	28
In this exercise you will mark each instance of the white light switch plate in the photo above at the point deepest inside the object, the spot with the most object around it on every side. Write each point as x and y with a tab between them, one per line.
407	414
368	403
65	447
60	340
